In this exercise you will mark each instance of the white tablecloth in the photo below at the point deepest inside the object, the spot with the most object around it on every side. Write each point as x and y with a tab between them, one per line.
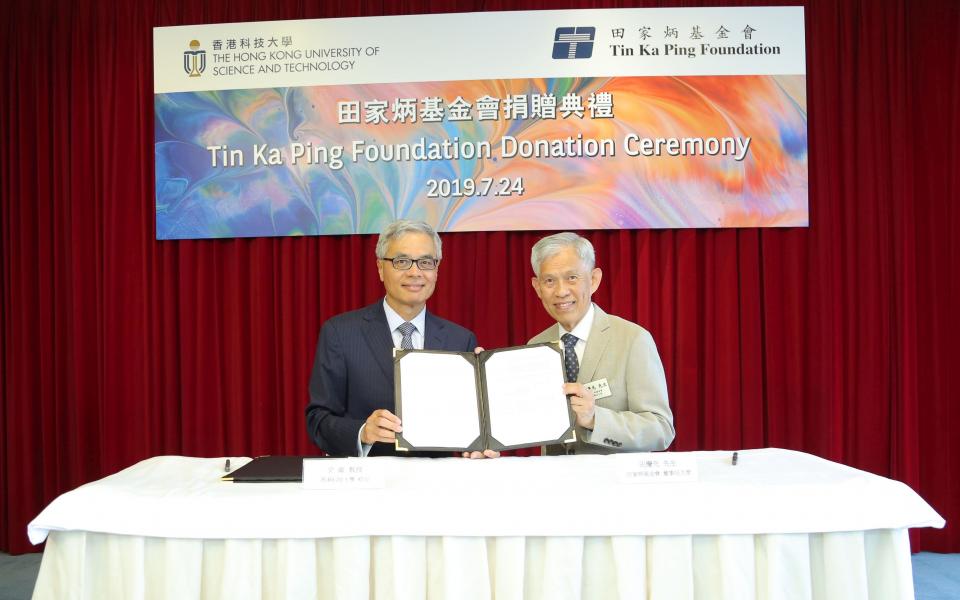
780	524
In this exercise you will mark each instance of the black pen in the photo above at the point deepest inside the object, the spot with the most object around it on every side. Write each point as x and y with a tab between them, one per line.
733	461
226	465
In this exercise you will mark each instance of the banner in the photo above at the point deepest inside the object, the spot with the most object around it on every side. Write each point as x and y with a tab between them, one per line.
577	119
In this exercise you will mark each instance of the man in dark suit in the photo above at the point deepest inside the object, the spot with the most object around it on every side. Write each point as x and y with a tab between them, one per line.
351	387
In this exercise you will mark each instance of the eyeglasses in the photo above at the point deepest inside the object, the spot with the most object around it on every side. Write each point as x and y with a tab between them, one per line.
403	263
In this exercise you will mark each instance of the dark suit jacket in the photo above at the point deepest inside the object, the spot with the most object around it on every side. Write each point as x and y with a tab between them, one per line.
353	374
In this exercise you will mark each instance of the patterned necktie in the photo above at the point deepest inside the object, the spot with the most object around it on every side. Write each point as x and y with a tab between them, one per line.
406	330
570	365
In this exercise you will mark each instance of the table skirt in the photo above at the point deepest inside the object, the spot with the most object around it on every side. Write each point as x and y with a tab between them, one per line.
861	565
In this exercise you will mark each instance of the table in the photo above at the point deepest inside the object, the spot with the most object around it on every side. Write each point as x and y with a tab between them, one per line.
780	524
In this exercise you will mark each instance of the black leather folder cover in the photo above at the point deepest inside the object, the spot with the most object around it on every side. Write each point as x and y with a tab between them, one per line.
265	469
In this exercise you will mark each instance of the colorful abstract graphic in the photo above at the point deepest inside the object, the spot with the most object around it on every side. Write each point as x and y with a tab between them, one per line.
764	186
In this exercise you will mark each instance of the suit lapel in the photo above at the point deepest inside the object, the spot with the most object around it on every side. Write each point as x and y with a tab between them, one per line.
376	332
596	345
435	336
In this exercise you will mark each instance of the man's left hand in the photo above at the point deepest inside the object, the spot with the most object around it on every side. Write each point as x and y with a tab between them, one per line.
581	401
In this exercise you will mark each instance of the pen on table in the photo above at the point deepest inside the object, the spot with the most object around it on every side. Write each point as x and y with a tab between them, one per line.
733	460
226	466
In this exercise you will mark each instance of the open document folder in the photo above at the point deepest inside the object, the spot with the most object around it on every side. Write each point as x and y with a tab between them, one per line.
499	399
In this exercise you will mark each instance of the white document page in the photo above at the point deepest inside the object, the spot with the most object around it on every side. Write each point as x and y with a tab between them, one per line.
439	400
525	395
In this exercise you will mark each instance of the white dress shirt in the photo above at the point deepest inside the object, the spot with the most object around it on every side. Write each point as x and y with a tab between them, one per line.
394	320
581	331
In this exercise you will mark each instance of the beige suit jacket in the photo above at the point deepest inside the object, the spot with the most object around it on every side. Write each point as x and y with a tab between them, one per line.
636	416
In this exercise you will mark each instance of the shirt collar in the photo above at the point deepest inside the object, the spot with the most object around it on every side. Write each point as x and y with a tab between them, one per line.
394	320
582	330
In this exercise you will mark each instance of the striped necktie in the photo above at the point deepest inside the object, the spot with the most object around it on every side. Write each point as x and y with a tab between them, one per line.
406	330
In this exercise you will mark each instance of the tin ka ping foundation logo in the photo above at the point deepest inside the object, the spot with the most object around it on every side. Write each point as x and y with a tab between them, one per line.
573	42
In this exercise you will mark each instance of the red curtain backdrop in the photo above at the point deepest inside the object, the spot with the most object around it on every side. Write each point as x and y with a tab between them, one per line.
836	340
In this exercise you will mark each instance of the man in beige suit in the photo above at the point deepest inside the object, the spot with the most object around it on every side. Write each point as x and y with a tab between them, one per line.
615	378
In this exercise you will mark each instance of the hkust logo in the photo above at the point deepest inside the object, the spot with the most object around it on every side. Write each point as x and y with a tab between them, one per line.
194	59
573	42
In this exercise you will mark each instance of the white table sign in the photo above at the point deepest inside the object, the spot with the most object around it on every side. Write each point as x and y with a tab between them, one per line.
648	467
342	474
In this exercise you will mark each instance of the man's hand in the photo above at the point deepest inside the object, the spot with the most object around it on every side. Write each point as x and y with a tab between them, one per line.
381	426
581	401
484	454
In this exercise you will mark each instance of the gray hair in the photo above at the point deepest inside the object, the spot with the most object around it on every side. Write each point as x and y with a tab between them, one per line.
553	244
402	227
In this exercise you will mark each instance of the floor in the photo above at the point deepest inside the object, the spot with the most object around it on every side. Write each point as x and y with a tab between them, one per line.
936	576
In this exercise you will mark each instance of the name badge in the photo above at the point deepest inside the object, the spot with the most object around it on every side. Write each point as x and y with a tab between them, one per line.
599	388
660	467
342	474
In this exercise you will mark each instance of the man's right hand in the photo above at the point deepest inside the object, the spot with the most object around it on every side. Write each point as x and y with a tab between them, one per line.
485	454
381	426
